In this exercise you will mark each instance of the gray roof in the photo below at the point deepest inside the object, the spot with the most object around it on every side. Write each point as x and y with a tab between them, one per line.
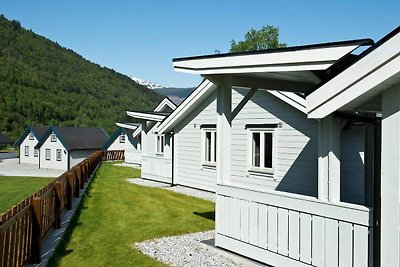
39	131
78	138
5	140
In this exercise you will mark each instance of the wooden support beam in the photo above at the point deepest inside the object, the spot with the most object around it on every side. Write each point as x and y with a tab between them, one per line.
390	180
242	103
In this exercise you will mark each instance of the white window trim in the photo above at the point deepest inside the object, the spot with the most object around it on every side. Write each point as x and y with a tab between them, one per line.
53	137
31	136
212	163
122	138
49	157
35	152
160	137
261	170
26	151
58	158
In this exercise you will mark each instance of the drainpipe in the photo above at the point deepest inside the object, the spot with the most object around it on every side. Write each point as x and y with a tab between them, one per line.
173	158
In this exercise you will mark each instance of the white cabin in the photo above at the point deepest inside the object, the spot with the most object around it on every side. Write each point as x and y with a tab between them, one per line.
291	190
156	157
127	138
27	142
64	147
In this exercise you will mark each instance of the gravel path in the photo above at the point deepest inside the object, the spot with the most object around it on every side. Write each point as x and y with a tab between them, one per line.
187	250
178	189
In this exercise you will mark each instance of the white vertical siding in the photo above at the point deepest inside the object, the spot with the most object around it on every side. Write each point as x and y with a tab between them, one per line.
189	147
352	169
133	151
31	159
296	145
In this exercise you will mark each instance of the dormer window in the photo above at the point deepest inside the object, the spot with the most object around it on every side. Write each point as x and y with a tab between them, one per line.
53	137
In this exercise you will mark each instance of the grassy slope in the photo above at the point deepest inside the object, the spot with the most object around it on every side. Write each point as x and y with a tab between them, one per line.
116	214
13	189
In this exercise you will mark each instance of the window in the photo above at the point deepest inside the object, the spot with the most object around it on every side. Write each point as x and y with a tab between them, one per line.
58	154
48	154
210	146
160	144
122	138
26	151
36	153
262	150
31	136
53	137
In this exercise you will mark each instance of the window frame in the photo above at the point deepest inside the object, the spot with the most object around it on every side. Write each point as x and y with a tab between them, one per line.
26	151
53	137
122	138
31	136
36	152
160	144
261	169
213	153
48	154
57	155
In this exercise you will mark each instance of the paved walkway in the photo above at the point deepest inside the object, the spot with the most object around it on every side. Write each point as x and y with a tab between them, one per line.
11	167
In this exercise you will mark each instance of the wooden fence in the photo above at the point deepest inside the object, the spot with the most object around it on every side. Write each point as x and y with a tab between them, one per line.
24	226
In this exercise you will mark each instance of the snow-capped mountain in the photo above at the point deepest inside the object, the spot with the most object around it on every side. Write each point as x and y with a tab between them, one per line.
149	85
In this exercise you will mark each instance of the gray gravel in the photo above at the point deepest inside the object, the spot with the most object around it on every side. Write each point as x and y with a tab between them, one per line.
178	189
11	167
187	250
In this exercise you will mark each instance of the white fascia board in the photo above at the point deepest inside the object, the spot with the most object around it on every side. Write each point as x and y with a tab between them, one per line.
164	103
201	92
376	81
319	103
137	132
145	116
127	126
291	99
311	59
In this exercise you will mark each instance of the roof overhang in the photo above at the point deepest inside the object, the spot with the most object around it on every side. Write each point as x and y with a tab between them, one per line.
127	125
165	103
146	116
198	95
361	83
285	69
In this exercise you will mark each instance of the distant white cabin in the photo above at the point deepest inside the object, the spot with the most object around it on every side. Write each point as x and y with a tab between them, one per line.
156	157
27	142
293	191
64	147
127	138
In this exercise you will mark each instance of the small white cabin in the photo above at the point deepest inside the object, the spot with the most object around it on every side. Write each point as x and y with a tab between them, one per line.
127	138
156	155
293	191
27	142
64	147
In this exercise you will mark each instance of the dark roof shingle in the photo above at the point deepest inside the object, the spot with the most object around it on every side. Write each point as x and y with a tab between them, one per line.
4	140
77	138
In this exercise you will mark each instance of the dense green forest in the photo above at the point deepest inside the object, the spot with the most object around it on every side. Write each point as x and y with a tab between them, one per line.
42	83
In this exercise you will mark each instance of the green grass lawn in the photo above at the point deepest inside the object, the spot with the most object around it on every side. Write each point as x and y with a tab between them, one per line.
115	214
13	189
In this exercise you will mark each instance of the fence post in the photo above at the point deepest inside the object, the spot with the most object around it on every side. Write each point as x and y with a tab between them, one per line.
68	194
58	208
36	230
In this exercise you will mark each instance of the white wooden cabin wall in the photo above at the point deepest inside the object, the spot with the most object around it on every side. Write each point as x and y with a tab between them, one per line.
189	148
53	163
133	151
352	169
156	167
296	145
30	159
117	145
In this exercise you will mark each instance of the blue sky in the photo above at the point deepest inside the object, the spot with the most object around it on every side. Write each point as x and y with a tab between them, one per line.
141	38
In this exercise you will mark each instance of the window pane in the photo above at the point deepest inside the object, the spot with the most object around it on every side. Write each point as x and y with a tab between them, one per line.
268	150
162	143
256	149
208	146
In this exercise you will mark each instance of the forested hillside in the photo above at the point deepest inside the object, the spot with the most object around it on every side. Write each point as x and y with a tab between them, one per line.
42	83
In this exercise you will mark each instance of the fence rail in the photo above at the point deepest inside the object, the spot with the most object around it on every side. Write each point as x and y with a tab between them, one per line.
24	226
